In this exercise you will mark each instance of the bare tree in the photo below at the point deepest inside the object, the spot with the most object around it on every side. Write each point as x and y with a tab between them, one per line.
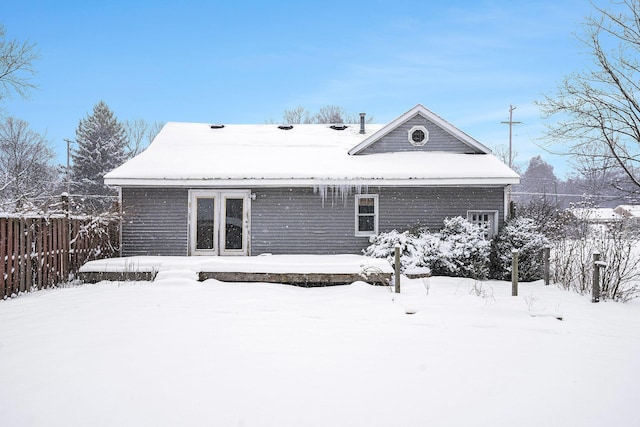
139	135
501	151
297	115
27	178
599	108
154	130
16	66
329	114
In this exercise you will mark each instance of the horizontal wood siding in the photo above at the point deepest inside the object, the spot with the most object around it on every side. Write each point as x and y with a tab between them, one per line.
398	139
295	221
404	208
155	221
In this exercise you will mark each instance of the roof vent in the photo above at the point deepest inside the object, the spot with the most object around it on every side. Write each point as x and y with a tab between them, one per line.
285	127
362	116
338	127
217	126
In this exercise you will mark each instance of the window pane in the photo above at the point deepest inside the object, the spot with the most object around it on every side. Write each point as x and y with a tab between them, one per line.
366	223
204	223
366	205
233	223
417	136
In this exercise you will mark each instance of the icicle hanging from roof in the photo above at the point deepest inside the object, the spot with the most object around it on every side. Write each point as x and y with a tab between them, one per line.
339	192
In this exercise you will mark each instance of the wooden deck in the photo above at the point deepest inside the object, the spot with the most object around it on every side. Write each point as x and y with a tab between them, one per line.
301	270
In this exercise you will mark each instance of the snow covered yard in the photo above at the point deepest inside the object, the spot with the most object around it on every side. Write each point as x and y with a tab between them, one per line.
180	352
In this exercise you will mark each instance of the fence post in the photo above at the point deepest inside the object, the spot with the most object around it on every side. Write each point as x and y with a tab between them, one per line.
547	263
396	266
66	236
595	289
514	273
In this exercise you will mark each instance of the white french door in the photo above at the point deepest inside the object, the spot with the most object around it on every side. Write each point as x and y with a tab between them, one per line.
219	222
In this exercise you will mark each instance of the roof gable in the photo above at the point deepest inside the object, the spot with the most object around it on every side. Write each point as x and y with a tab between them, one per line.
442	136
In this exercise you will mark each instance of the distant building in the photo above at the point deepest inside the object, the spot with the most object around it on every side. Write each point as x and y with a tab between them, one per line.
597	215
630	213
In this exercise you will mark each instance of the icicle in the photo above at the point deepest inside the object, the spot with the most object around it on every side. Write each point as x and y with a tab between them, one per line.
339	192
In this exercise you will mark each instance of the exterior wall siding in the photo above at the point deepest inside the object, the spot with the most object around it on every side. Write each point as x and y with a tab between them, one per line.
439	139
295	221
154	221
298	220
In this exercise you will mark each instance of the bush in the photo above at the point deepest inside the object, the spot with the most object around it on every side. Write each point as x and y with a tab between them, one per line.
572	259
522	234
459	249
383	246
463	250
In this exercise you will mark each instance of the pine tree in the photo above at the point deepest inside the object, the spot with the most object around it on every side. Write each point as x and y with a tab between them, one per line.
100	148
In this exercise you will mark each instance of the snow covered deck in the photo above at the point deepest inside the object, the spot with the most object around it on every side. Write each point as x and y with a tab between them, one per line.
305	270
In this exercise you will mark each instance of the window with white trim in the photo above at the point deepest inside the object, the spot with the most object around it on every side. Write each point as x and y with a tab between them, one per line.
366	215
485	219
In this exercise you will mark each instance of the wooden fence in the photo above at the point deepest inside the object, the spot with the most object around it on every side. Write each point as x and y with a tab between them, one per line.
42	252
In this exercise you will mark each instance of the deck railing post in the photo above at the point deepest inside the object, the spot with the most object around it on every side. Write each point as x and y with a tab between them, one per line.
396	266
514	273
595	289
546	254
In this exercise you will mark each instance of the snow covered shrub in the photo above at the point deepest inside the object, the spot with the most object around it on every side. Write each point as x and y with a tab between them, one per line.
459	249
572	261
522	234
383	246
463	250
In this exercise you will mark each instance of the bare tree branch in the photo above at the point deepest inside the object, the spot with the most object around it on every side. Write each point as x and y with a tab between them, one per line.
16	66
598	110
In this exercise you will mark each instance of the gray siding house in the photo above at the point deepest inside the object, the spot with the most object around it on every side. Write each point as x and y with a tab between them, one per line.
202	189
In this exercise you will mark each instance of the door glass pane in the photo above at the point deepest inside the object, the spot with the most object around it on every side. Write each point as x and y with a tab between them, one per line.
233	223
204	223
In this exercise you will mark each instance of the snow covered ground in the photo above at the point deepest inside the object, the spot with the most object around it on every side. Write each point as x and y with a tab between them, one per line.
181	352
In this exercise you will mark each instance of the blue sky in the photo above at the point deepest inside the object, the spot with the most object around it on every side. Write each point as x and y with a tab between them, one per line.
248	61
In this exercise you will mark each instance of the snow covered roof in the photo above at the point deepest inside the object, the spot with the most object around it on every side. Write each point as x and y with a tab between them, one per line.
195	154
596	214
629	211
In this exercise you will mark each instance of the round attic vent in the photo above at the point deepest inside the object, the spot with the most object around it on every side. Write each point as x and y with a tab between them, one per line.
418	136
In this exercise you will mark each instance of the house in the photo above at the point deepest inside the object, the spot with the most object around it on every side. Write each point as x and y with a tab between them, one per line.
602	216
630	213
202	189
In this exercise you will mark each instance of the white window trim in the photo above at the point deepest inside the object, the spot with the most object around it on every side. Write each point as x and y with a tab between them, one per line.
359	233
421	143
494	227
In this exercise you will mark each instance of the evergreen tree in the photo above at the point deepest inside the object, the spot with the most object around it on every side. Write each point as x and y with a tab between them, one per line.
100	148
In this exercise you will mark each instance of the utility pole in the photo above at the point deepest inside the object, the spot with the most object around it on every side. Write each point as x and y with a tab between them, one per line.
68	166
511	123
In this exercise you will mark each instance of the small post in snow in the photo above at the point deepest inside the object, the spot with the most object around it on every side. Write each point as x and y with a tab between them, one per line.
396	268
514	273
595	289
546	254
